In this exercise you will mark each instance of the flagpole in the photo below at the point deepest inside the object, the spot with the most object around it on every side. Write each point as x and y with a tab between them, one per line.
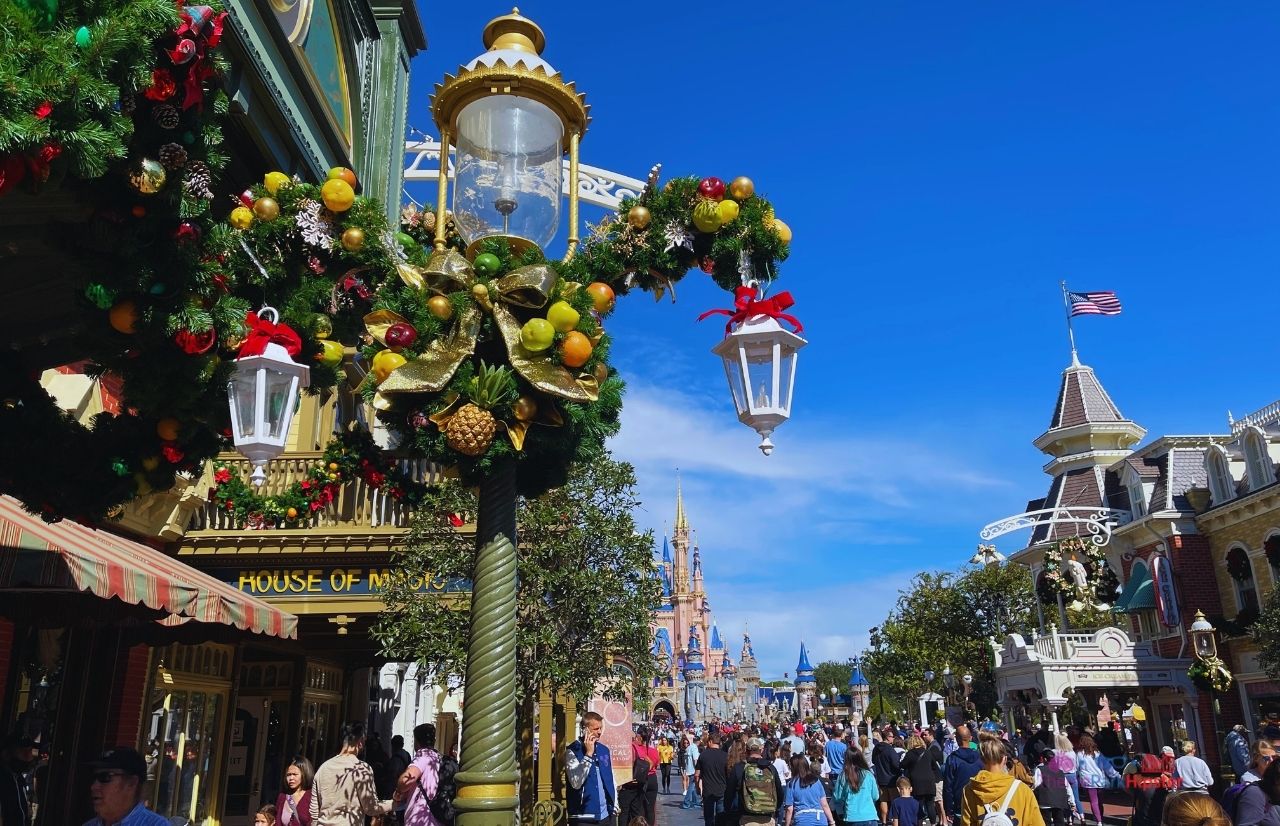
1071	333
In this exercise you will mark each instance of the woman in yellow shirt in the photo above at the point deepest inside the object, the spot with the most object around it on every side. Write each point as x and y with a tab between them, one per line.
665	754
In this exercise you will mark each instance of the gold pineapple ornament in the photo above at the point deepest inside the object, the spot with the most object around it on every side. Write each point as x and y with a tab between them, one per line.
470	431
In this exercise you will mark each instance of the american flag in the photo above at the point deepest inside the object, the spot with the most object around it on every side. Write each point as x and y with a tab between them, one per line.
1102	302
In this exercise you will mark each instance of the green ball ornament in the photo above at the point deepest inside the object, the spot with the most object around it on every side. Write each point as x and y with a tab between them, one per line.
487	264
84	37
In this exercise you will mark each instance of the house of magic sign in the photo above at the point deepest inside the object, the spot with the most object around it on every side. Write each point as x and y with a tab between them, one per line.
285	583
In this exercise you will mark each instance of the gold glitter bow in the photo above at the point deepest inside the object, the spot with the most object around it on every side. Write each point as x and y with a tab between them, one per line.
530	287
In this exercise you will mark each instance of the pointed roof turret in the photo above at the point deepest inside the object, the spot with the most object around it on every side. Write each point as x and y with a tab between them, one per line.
857	679
716	642
666	550
748	653
804	671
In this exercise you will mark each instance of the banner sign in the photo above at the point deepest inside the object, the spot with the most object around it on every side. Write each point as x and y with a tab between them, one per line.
1166	599
302	583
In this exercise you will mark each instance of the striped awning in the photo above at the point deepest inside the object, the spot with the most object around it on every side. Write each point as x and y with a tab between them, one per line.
68	556
1138	594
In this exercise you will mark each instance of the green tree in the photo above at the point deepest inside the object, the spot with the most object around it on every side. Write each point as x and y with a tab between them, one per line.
946	619
832	673
1265	631
587	587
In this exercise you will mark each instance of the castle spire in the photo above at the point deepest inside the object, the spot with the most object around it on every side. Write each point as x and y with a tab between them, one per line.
682	522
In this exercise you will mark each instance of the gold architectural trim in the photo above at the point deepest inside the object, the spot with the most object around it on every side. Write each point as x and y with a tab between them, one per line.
491	790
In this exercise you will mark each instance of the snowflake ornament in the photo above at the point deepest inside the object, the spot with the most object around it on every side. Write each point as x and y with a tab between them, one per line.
677	236
315	229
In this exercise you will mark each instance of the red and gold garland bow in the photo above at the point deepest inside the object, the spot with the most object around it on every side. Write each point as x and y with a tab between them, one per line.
263	332
744	300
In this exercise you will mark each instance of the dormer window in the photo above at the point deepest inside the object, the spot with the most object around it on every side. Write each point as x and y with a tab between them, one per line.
1257	460
1221	486
1137	499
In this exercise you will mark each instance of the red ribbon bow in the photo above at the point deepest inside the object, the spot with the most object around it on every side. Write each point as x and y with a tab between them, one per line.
263	332
744	299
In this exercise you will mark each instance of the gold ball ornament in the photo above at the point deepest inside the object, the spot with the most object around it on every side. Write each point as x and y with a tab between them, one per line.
741	188
241	218
440	307
123	316
168	429
781	230
150	462
291	514
353	239
525	409
333	466
337	195
266	209
639	217
728	210
146	176
272	181
385	363
321	326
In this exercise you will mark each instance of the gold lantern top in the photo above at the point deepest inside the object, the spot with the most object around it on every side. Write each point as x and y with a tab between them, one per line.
511	117
511	66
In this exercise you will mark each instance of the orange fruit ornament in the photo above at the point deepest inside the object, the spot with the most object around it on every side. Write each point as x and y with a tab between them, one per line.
292	513
575	349
341	173
123	317
168	429
337	195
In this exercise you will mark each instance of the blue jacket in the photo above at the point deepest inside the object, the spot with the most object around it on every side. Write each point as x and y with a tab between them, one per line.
584	803
961	767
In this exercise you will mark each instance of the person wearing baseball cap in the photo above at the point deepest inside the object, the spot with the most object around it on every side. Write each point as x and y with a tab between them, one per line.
118	779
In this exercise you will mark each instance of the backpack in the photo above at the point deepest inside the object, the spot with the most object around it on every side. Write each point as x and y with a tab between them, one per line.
1000	816
1231	798
441	805
759	792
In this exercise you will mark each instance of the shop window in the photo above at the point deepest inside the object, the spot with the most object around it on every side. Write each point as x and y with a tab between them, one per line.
181	749
1241	570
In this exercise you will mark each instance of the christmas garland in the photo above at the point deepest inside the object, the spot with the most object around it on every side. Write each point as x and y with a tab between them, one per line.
347	457
1210	673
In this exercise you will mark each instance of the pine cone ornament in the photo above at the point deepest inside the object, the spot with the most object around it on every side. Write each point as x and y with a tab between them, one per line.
166	116
428	221
173	156
198	182
128	103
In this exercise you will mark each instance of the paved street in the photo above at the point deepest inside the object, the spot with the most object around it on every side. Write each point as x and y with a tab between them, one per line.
670	813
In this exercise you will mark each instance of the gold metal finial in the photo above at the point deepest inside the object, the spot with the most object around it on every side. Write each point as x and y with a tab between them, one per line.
515	33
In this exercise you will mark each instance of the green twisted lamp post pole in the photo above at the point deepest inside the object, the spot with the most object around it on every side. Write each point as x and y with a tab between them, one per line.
510	116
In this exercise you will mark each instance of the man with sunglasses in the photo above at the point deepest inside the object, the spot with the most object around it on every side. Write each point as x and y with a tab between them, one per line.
116	790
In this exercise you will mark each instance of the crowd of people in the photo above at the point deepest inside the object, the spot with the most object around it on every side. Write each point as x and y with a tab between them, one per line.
908	775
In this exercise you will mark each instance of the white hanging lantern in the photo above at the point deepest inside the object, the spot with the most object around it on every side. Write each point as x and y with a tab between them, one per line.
263	393
760	363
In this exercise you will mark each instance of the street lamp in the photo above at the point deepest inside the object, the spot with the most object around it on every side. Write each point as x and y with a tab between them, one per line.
760	364
1204	642
510	117
263	391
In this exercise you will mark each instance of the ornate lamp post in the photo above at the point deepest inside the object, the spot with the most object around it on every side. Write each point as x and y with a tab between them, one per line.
1204	641
511	117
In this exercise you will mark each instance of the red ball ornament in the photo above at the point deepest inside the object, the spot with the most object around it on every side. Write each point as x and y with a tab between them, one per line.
195	344
712	188
247	199
187	233
400	335
707	265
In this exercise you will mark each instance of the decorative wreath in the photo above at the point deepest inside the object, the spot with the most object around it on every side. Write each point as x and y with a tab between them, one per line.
1272	549
1210	673
467	361
1238	565
1053	582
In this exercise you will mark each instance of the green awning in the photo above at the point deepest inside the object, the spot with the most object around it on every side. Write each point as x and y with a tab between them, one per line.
1139	593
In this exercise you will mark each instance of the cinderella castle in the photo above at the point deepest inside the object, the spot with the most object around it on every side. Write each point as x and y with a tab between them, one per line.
698	679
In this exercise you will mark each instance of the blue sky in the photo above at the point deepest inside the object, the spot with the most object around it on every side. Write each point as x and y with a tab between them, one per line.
942	165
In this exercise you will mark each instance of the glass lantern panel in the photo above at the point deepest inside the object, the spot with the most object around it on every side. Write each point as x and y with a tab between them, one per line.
508	169
1204	644
242	388
735	376
281	394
